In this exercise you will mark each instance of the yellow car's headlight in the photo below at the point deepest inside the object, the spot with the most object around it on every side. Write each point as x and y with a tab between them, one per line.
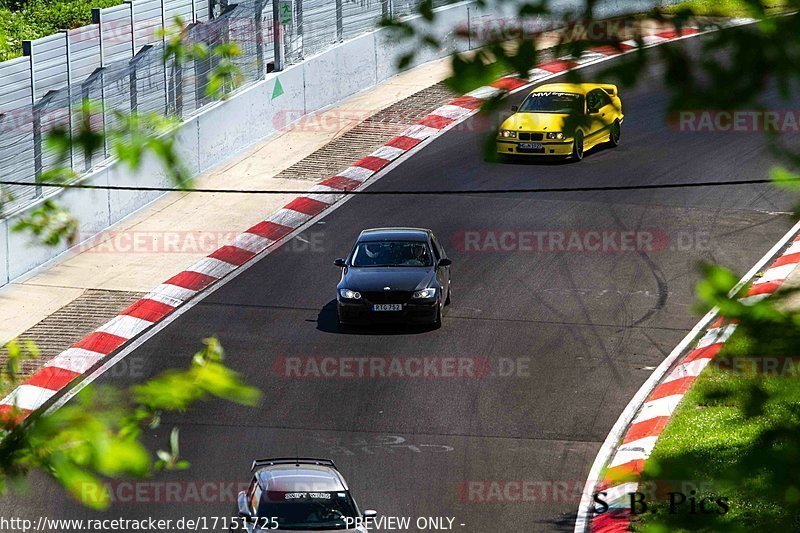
555	135
508	134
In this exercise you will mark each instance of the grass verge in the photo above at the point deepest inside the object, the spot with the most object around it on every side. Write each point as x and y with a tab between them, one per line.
734	436
731	8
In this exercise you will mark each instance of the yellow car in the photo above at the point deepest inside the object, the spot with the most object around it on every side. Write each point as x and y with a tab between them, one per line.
563	119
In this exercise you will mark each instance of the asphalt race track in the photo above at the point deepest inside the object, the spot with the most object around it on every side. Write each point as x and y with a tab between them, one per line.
584	329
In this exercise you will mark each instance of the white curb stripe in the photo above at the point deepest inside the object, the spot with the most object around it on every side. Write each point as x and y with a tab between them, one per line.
28	397
776	274
289	218
389	153
419	132
212	267
170	294
618	497
125	326
453	112
326	198
633	451
485	92
356	173
690	369
655	408
251	242
75	359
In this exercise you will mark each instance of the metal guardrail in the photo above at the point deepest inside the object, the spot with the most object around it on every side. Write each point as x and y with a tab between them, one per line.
117	63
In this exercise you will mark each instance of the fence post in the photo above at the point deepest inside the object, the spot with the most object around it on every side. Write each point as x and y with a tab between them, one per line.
164	44
339	21
277	36
299	12
98	19
68	49
259	29
86	108
27	50
387	8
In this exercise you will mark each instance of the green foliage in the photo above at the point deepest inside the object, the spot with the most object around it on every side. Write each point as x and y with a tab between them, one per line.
50	223
98	435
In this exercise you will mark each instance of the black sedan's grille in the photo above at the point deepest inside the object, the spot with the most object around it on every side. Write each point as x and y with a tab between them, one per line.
387	297
531	136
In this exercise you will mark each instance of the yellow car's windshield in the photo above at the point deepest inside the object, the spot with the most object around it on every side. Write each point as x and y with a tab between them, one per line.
553	102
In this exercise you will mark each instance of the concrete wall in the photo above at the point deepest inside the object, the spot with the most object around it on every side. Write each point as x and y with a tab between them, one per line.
222	131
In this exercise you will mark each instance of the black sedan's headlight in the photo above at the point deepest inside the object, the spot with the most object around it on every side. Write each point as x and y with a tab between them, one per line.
347	294
430	292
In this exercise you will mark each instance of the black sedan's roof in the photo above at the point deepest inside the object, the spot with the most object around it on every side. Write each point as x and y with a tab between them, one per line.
393	234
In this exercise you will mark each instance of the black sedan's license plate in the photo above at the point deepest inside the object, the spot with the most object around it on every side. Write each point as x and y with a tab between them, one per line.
387	307
529	146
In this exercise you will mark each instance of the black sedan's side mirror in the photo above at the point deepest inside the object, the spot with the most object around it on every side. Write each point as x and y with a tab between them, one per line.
369	513
241	502
340	263
514	108
445	262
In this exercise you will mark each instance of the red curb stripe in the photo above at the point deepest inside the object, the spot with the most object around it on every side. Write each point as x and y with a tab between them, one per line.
100	342
468	102
648	428
509	83
403	143
674	34
557	65
11	415
764	288
678	386
786	260
436	121
371	163
233	255
610	50
147	309
270	230
307	206
342	183
51	377
609	523
194	281
623	473
708	352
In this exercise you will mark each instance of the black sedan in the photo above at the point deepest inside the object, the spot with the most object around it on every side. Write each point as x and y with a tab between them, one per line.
394	274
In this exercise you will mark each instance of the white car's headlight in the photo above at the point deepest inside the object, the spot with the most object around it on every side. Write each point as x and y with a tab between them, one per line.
508	134
555	135
349	295
425	293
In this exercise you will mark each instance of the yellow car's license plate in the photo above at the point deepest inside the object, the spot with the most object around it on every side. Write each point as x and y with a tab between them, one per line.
529	146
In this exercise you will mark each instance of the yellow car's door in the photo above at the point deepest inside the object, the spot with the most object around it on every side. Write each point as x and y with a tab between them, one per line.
601	114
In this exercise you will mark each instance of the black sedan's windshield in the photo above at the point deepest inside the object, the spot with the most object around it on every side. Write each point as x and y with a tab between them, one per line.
392	254
553	102
308	510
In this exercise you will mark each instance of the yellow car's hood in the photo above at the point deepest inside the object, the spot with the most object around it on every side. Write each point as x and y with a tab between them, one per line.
534	122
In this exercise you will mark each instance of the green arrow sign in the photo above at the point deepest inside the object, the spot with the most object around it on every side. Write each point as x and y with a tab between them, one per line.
285	8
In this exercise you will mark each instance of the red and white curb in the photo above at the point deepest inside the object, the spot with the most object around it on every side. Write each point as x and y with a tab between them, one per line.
625	465
69	365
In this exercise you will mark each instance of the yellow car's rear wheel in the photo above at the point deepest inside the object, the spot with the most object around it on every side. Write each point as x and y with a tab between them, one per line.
616	132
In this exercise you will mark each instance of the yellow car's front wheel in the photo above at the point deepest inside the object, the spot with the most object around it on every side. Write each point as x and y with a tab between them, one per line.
577	146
